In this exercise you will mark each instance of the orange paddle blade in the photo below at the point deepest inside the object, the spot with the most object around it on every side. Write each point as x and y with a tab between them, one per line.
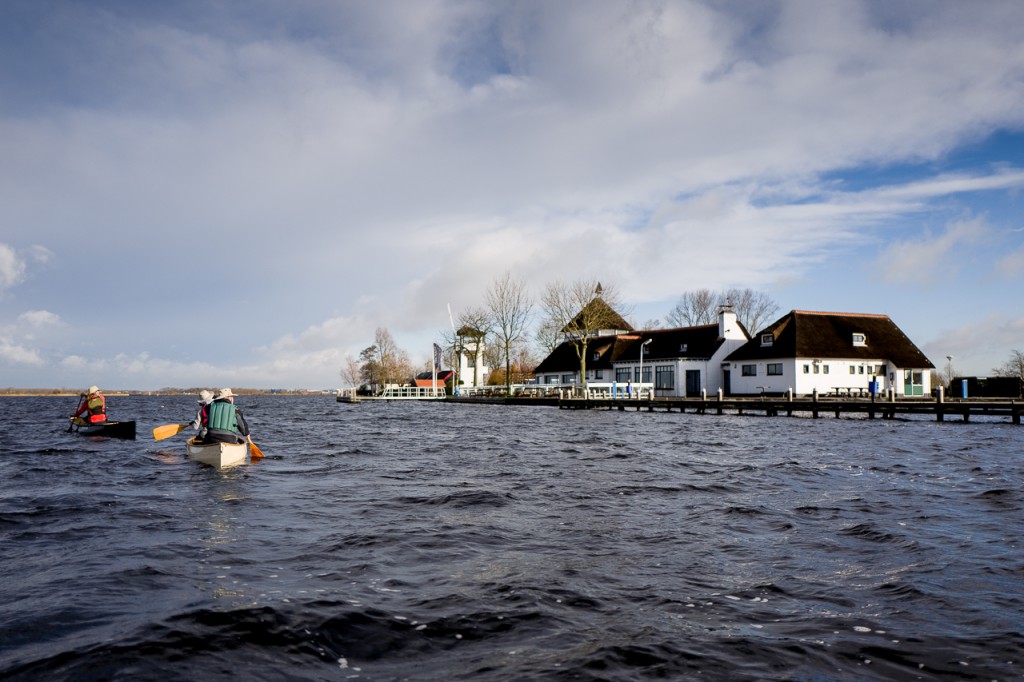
256	452
168	430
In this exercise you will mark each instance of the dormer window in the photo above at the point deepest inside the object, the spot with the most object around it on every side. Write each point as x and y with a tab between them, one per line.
767	339
860	340
597	355
682	348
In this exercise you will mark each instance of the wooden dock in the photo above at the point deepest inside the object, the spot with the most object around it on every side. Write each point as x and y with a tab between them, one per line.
815	407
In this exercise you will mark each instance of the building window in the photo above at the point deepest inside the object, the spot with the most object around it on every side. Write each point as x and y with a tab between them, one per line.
622	374
568	378
860	340
817	368
749	370
682	348
775	369
853	370
767	339
665	377
646	378
598	374
824	369
597	355
860	369
807	369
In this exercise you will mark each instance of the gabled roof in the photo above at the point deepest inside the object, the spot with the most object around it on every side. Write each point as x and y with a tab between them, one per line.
810	334
697	343
565	359
598	309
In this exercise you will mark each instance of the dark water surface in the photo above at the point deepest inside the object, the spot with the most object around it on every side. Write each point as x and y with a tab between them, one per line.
451	542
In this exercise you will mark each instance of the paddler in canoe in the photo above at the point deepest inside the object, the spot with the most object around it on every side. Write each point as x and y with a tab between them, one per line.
91	418
224	422
92	408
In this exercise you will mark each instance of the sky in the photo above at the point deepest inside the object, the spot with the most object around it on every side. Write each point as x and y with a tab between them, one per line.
240	192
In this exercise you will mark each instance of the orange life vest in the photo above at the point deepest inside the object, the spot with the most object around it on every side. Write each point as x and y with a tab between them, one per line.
97	406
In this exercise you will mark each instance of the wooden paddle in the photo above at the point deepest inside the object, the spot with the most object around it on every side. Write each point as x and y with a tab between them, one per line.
72	417
168	430
256	452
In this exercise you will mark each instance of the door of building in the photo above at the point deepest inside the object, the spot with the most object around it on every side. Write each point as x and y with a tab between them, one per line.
693	382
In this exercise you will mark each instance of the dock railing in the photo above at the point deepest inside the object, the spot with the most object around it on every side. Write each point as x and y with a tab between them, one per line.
413	393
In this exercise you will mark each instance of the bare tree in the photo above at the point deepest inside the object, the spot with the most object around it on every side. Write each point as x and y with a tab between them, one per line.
753	308
384	362
694	308
582	309
350	371
1014	367
510	308
547	336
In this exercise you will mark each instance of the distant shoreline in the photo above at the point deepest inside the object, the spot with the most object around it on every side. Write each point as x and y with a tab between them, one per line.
63	393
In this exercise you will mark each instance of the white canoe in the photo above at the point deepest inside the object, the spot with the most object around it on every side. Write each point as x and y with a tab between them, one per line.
217	454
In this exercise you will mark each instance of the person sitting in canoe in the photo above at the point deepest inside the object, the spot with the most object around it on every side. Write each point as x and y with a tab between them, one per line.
205	398
224	421
94	405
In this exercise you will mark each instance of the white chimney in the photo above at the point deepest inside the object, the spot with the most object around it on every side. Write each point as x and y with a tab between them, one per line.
728	327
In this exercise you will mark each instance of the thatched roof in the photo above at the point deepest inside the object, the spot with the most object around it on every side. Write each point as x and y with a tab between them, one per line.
697	343
809	334
603	313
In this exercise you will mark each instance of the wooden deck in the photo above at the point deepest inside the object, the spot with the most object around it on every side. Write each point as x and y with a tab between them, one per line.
771	407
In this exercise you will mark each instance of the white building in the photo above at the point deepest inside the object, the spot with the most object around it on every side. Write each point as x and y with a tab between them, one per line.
470	354
685	361
806	351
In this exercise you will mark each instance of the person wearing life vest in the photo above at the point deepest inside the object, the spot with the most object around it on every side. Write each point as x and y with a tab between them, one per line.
205	398
224	421
94	405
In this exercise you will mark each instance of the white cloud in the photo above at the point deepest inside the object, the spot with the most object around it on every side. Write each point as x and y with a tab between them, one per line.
12	352
40	318
40	254
978	346
1012	264
12	268
926	259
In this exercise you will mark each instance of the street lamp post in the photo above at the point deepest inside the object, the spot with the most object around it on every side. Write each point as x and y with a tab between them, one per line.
949	373
640	383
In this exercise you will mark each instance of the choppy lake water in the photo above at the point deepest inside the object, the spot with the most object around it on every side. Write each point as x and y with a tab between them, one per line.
467	542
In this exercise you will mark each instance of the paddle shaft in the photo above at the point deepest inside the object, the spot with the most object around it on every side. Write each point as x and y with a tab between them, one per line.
71	426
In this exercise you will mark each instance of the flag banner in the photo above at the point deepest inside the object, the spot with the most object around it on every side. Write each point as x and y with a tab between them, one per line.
437	357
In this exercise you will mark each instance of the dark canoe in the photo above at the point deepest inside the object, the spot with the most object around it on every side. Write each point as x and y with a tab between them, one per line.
109	429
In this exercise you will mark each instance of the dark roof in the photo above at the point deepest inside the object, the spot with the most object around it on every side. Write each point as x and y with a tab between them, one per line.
603	312
807	334
565	359
442	375
698	342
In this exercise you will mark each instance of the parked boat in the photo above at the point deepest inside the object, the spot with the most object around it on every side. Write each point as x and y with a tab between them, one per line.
110	429
217	454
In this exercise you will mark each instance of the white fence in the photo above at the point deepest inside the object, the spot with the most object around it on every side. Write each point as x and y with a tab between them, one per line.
595	391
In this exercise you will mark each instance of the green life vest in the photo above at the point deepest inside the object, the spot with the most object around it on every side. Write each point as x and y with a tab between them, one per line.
221	416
